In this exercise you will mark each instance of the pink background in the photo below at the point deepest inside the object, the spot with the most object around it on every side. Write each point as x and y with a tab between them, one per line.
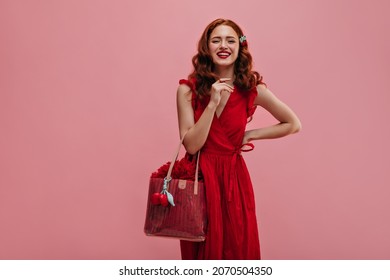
87	112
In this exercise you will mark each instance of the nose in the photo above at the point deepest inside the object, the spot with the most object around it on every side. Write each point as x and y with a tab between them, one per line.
223	44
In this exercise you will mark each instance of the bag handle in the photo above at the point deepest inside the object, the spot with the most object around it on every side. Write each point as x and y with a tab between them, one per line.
169	178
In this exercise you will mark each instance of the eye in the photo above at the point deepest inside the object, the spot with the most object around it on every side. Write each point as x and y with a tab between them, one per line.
231	41
215	41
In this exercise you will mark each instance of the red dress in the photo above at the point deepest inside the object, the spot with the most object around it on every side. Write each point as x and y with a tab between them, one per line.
232	225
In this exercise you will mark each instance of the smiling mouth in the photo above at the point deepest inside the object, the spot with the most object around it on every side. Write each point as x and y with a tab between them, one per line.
223	54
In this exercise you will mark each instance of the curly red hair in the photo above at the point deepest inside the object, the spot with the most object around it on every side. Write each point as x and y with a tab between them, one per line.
203	73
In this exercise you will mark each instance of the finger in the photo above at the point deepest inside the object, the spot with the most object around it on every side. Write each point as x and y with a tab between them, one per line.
230	87
222	80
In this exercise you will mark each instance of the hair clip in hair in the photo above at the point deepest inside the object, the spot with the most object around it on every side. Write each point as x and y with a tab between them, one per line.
243	41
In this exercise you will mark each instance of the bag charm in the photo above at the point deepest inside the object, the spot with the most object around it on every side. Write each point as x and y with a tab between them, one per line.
163	198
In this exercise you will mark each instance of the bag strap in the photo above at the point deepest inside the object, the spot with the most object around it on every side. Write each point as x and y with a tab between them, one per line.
169	178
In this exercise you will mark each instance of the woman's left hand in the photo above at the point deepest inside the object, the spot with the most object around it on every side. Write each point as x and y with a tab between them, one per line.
246	138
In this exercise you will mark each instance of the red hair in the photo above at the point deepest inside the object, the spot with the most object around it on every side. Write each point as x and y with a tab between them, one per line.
203	73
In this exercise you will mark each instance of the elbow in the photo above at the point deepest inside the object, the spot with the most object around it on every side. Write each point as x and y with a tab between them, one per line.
193	145
293	126
191	149
296	126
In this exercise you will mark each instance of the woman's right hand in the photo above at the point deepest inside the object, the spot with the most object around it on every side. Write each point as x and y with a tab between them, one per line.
217	88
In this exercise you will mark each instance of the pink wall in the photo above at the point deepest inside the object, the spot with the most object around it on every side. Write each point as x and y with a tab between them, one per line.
87	112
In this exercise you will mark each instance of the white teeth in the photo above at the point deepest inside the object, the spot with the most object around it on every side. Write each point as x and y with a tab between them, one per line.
223	54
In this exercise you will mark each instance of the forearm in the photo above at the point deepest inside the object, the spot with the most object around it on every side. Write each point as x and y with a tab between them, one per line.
197	135
271	132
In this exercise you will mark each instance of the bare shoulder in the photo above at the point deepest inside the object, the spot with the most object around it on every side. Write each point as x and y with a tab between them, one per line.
264	95
184	108
183	88
184	92
261	89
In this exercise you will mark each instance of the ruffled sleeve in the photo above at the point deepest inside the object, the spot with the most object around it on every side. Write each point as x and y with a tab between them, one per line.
251	108
188	83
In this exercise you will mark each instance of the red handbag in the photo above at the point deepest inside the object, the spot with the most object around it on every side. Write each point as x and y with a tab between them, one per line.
176	205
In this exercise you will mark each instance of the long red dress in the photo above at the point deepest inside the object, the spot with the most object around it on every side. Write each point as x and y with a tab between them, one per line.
232	225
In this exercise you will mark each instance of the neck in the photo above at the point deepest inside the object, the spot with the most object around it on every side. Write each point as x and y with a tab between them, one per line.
225	72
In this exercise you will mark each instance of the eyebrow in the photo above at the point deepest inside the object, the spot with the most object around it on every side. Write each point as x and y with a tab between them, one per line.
219	37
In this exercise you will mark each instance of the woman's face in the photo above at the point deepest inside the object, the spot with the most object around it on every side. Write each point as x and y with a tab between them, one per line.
224	45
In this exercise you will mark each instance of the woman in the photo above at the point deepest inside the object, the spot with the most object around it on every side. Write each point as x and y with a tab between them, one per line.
214	105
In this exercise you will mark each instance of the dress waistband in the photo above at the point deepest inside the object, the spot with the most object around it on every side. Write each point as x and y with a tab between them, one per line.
235	154
231	152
